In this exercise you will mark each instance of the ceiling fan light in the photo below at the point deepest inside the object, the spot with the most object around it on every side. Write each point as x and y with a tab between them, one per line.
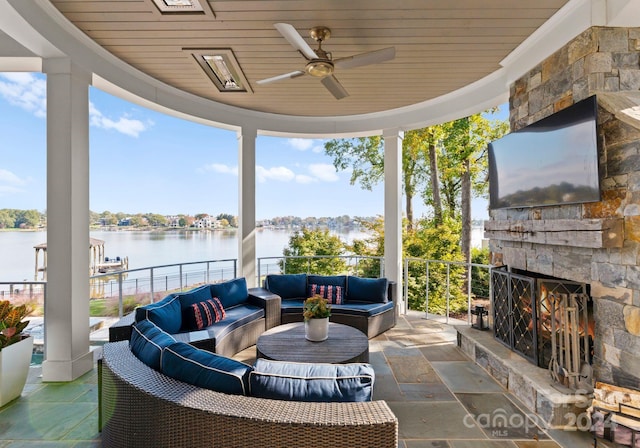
320	68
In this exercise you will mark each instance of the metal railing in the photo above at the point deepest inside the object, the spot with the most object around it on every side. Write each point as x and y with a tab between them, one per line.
437	287
353	264
145	285
433	286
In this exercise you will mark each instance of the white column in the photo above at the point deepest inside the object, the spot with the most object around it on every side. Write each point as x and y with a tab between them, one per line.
67	354
393	210
247	205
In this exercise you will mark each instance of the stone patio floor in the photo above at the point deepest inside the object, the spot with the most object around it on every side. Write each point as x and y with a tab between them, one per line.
441	399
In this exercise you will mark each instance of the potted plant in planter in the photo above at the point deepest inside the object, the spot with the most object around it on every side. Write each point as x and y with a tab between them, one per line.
15	351
316	312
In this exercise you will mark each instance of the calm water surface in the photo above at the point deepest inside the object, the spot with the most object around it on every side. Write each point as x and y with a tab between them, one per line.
17	256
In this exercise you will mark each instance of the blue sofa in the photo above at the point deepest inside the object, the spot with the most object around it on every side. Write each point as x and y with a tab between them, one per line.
363	303
243	315
155	391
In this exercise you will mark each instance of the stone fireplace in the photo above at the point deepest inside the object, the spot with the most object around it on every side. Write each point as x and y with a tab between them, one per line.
595	244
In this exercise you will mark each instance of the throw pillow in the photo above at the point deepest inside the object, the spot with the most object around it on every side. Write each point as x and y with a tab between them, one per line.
312	382
333	294
147	342
201	315
367	289
335	280
205	369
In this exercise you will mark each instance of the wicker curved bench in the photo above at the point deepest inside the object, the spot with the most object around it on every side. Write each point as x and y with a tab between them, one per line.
144	408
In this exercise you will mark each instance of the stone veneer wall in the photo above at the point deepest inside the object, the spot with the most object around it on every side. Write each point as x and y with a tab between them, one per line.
605	62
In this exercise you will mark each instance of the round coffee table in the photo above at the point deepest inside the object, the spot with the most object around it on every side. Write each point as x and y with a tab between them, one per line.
287	343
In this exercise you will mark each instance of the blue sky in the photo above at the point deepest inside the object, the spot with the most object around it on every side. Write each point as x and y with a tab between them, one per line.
145	161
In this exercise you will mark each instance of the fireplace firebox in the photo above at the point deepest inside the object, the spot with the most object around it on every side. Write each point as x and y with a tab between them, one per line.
546	320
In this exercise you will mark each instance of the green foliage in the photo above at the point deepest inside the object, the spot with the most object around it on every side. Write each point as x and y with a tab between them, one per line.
480	276
231	220
316	307
11	323
305	243
370	247
434	241
20	219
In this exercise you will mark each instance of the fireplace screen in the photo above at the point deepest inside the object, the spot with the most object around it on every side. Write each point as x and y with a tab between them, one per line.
547	321
514	308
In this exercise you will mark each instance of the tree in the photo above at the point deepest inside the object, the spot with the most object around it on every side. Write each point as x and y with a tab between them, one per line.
463	167
7	219
365	157
29	219
309	243
156	220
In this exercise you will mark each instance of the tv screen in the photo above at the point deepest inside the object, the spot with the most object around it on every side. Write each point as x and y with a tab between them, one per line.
550	162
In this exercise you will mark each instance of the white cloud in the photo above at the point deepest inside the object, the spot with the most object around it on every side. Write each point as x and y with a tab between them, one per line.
304	179
29	92
10	183
324	172
123	124
221	168
279	173
301	144
25	90
7	177
317	173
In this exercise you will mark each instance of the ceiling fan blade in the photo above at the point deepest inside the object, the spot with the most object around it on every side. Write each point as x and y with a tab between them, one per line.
296	40
281	77
333	85
372	57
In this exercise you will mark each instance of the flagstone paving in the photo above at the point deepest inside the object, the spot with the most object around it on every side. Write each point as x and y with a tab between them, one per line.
441	398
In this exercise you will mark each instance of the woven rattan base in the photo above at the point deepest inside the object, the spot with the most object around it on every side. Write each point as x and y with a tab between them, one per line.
144	408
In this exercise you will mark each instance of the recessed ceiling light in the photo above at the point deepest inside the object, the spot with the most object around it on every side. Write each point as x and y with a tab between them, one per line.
180	6
222	68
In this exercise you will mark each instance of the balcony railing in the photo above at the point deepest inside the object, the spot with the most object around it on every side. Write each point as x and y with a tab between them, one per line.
446	288
438	288
146	285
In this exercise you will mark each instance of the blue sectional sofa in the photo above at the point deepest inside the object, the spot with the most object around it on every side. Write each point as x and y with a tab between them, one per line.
363	303
155	391
242	316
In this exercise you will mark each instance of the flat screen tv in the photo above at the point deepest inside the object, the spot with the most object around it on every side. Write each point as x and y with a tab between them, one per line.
553	161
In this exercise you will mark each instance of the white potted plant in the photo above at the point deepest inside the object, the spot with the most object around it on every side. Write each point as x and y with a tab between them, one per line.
15	351
316	312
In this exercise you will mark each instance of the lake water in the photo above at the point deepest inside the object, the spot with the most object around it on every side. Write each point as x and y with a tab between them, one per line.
144	248
17	255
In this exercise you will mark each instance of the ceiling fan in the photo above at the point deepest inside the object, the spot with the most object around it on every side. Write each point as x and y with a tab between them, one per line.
320	63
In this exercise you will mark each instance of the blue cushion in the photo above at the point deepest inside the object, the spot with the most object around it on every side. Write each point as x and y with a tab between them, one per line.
333	280
196	295
205	369
232	292
367	289
147	342
166	314
367	309
287	286
201	315
312	382
236	317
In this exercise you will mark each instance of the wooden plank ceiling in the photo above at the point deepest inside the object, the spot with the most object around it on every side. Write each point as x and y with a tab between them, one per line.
441	46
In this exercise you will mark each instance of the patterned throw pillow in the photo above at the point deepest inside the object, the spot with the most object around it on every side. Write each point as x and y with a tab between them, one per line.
203	314
332	293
